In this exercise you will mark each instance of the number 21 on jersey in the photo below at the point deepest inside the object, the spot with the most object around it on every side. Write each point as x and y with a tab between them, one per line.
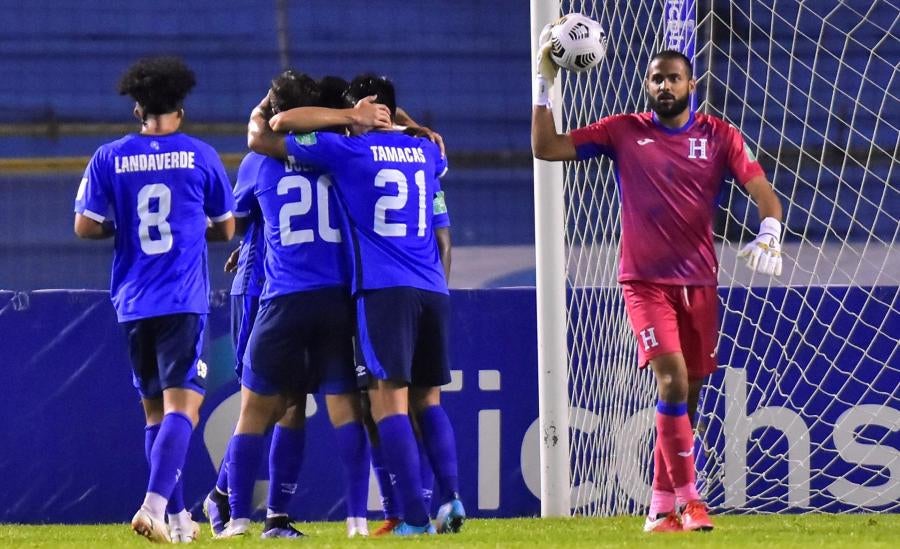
398	202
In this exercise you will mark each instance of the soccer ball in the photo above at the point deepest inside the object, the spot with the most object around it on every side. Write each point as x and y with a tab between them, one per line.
577	43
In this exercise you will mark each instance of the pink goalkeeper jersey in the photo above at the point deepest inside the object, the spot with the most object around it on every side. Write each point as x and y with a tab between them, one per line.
669	181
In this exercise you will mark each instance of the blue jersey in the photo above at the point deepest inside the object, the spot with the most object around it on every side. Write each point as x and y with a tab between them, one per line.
251	274
302	227
387	183
159	189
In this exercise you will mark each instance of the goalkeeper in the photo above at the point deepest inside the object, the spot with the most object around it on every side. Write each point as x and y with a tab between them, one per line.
670	164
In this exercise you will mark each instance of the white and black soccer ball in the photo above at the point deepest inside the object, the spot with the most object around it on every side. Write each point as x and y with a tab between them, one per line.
577	43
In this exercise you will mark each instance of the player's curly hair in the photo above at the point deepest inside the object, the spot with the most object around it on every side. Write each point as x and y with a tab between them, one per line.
158	84
368	84
292	89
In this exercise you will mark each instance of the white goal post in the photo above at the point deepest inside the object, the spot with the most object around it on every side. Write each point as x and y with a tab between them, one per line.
804	412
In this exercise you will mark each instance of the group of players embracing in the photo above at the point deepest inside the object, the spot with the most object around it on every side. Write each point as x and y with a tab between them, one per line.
341	289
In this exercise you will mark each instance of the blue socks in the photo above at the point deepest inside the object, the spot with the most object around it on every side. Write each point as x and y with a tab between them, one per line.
426	473
402	459
439	442
354	448
388	499
285	461
167	454
222	479
244	456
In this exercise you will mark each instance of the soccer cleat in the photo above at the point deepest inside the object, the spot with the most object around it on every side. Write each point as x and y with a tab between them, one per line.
216	509
184	533
154	529
280	527
357	526
695	517
386	527
663	523
234	528
405	529
450	517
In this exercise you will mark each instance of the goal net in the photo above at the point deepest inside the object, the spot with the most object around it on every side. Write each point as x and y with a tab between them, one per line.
804	412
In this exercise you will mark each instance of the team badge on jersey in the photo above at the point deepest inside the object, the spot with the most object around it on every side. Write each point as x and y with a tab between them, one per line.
697	148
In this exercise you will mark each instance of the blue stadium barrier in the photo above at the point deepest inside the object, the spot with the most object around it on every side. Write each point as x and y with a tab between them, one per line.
72	437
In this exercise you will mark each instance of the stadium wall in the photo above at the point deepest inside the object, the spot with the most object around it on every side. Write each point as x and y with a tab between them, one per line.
72	443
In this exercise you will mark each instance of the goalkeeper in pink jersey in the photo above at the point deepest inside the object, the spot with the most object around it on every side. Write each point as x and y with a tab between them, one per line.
669	165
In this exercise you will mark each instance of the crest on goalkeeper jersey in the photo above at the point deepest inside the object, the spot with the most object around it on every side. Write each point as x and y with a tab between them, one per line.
697	148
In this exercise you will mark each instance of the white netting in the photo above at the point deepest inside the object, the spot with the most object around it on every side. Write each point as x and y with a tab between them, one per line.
805	413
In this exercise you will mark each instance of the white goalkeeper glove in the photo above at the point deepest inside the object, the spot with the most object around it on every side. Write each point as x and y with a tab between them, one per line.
763	255
546	68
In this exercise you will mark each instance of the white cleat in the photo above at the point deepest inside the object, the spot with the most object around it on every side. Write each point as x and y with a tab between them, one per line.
234	528
184	533
357	526
152	528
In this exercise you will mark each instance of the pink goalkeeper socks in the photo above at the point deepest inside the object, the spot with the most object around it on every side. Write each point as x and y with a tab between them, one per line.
675	441
663	500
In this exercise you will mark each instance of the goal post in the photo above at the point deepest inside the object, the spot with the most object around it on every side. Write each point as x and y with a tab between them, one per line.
550	267
803	414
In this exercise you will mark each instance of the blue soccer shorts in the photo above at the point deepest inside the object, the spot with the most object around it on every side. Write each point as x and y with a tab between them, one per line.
403	335
165	353
302	343
243	314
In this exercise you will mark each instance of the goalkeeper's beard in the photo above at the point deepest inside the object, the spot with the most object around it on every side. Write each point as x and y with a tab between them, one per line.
677	107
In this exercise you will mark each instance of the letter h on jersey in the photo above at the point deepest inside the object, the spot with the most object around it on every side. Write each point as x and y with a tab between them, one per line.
649	338
697	148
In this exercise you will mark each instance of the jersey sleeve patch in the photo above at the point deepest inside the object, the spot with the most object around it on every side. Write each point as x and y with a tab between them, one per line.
440	205
306	139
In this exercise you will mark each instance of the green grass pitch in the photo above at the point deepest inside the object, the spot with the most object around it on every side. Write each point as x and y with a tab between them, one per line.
769	532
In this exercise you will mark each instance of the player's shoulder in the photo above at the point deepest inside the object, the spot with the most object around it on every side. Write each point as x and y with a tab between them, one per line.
253	161
201	146
713	121
400	138
117	146
623	120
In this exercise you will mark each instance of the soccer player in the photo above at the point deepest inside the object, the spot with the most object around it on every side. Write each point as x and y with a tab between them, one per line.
167	193
389	502
386	182
247	263
289	90
670	164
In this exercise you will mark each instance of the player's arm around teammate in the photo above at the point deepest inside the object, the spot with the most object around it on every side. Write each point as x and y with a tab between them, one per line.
402	302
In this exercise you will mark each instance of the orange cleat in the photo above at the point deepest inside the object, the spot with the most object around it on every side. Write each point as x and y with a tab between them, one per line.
668	523
695	517
386	527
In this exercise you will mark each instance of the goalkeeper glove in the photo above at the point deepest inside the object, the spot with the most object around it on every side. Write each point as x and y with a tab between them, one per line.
763	255
546	68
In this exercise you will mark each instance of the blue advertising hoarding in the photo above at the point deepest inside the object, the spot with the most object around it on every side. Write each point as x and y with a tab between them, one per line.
72	436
